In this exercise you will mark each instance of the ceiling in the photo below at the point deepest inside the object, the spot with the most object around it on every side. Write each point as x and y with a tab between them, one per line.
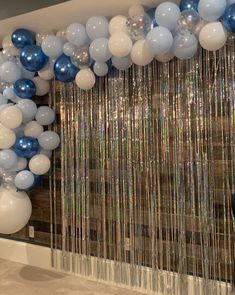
59	16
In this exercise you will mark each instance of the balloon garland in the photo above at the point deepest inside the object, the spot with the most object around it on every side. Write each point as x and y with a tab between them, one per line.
79	53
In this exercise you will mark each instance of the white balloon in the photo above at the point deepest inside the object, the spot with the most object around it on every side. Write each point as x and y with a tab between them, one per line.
11	117
85	79
46	73
52	46
76	34
213	36
45	115
3	99
8	159
141	54
21	164
211	10
28	109
33	129
42	86
15	210
7	137
122	63
136	10
10	72
69	49
120	44
39	164
118	24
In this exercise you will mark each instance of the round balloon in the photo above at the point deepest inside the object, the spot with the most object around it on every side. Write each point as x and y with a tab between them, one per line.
26	146
28	109
185	45
166	57
11	117
229	18
138	26
97	27
122	63
64	69
211	10
81	58
47	73
189	20
120	44
3	98
10	72
45	115
52	46
21	164
151	13
25	88
76	34
141	54
49	140
213	36
167	15
189	4
99	50
22	37
7	137
41	36
8	93
39	164
15	210
159	40
32	58
33	129
24	180
8	159
85	80
118	24
100	69
69	49
136	10
42	86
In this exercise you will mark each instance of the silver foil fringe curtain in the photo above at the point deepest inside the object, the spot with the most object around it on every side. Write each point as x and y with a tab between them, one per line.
140	191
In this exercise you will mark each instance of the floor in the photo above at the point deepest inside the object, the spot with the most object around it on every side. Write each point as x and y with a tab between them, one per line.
19	279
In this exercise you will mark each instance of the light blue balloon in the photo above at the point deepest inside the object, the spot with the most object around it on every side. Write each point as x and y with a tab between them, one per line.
97	27
3	99
211	10
99	50
8	159
101	69
185	45
122	63
230	2
49	140
167	15
159	40
24	180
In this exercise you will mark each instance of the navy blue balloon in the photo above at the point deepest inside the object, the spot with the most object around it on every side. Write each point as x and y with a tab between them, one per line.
25	88
189	4
37	181
151	13
65	70
229	18
32	58
26	146
22	37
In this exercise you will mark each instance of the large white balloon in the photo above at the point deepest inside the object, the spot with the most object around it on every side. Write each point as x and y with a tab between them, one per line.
7	137
118	24
39	164
141	54
120	44
28	109
15	210
213	36
10	72
11	117
8	159
76	34
33	129
211	10
52	46
85	79
42	86
49	140
45	115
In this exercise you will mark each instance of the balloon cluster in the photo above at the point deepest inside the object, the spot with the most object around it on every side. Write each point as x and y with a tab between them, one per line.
81	52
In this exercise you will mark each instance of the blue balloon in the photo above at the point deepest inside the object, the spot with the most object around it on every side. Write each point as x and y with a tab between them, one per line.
189	4
65	70
25	88
21	38
151	13
228	18
37	181
32	58
26	146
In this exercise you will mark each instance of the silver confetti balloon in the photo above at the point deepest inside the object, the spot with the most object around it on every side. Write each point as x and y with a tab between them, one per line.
81	59
189	20
138	26
41	36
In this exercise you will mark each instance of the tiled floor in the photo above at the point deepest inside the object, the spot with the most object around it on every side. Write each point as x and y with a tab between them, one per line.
19	279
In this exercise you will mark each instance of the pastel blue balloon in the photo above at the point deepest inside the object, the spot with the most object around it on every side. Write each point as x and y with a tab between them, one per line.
151	13
100	69
49	140
25	88
211	10
189	4
24	180
159	40
97	27
167	15
99	50
32	58
228	18
185	45
8	159
26	146
22	37
65	70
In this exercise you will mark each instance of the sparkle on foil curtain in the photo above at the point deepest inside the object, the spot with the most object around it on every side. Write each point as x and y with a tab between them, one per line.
145	176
